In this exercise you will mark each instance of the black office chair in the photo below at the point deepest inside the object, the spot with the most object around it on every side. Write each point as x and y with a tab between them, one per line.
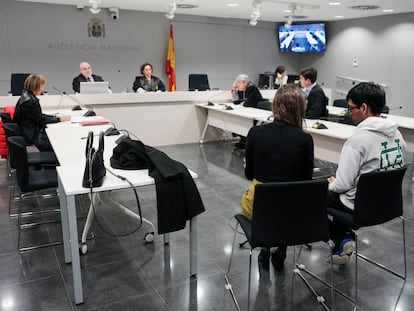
38	160
378	200
293	79
285	214
29	180
198	82
17	83
340	103
347	119
264	81
5	117
385	109
265	105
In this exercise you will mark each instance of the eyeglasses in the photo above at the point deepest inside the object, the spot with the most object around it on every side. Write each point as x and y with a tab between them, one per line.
350	109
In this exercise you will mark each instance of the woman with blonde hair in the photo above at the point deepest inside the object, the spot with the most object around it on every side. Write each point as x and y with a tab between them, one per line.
278	151
28	113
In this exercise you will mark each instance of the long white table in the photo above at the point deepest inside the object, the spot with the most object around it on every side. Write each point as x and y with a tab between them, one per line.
327	142
68	141
238	120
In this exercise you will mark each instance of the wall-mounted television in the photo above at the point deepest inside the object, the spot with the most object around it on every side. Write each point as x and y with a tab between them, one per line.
302	38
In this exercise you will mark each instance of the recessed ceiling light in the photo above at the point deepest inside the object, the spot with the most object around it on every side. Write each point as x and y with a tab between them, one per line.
287	11
388	10
339	16
233	5
334	3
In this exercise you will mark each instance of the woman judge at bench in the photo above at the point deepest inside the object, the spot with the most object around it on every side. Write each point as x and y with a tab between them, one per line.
28	113
147	82
278	151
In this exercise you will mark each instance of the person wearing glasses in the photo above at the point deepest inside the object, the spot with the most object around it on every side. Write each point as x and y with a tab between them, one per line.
278	151
85	75
377	144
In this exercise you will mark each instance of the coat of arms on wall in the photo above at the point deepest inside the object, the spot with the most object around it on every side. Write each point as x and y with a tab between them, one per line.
96	28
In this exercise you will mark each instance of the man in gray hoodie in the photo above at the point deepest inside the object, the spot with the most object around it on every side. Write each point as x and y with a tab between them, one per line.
377	144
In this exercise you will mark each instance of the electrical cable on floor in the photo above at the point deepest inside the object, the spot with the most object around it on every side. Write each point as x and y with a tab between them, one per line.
234	228
138	205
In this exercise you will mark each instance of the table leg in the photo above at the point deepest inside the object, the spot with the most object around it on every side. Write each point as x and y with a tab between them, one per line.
193	247
73	234
64	221
166	238
204	130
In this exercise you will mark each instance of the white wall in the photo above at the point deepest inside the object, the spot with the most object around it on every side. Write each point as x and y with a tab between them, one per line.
222	48
53	39
384	47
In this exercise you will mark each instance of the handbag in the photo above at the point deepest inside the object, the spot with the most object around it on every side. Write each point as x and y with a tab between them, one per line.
95	170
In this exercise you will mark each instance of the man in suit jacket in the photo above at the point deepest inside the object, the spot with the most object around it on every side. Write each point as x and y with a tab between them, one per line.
85	76
316	98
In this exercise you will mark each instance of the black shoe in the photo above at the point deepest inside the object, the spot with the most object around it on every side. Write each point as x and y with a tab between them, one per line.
263	259
278	258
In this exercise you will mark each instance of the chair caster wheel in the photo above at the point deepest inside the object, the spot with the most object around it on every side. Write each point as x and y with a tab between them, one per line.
149	237
83	248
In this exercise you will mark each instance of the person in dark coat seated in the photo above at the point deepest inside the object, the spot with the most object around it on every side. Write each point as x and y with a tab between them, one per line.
316	98
276	152
147	82
246	93
85	75
28	114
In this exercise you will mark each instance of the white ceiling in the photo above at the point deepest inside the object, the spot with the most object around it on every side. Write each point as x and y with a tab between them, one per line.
272	10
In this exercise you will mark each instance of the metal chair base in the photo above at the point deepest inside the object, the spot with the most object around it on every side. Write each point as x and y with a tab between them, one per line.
297	270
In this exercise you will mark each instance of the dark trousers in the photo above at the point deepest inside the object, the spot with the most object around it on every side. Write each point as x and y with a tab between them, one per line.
337	230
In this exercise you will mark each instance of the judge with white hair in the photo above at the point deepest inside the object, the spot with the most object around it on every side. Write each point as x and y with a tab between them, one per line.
245	92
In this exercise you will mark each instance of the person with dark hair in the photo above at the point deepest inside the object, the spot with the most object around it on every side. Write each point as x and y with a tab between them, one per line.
376	145
147	82
316	98
278	151
281	76
85	75
28	113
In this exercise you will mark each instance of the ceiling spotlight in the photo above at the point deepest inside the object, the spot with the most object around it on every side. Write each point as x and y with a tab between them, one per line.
95	6
256	12
171	10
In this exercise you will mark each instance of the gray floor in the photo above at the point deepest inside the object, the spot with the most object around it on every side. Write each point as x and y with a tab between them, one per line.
125	274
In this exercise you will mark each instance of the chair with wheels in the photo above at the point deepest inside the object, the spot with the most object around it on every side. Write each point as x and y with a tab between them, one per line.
285	214
29	180
378	200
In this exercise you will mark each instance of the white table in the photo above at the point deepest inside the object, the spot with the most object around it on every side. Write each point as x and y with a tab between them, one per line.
337	111
406	127
238	121
327	142
68	143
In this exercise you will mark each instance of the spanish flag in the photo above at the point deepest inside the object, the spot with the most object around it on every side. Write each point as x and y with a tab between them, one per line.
170	66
